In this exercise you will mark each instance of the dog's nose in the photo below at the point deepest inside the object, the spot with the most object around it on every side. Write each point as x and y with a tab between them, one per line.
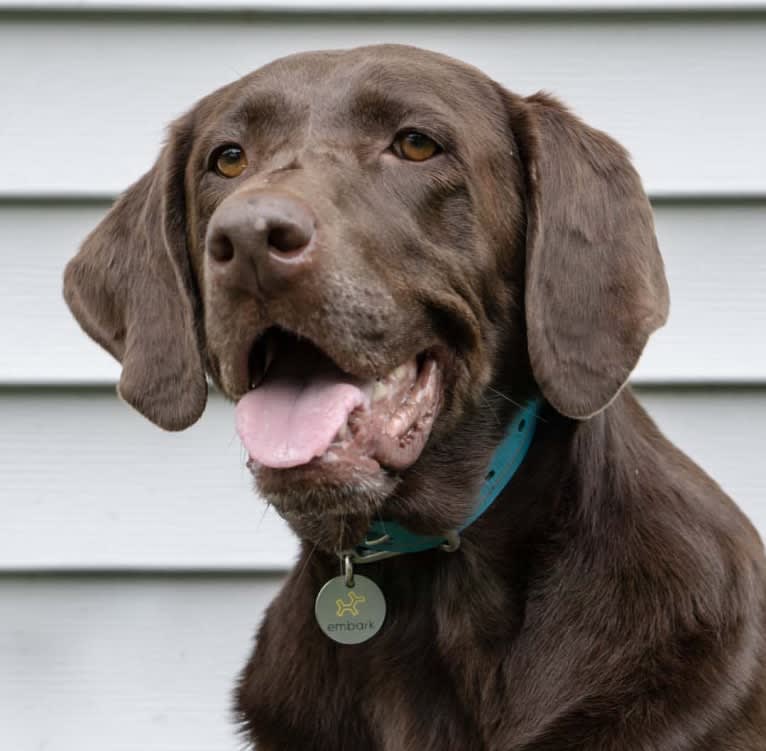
260	241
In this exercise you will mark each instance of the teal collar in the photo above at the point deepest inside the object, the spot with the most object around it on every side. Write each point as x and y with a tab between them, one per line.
386	538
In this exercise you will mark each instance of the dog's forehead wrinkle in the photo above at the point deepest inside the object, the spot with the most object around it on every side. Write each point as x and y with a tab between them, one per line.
261	103
374	86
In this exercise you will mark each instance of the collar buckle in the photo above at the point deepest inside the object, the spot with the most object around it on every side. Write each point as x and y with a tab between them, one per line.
357	556
362	555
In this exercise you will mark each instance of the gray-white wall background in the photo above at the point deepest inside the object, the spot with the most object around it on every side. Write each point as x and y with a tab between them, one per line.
135	565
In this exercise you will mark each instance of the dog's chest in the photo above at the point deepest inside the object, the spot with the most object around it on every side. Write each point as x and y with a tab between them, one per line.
430	702
393	693
422	712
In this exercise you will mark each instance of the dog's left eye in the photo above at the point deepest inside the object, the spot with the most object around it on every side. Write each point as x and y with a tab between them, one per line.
414	146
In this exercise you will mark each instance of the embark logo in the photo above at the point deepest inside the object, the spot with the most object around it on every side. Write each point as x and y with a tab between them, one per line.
350	607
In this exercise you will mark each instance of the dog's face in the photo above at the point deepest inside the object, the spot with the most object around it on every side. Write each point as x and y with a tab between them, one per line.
342	252
363	249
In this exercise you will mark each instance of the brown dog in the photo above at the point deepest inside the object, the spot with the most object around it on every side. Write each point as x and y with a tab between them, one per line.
380	253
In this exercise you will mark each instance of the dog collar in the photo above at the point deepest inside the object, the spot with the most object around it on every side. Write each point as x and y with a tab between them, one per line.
387	538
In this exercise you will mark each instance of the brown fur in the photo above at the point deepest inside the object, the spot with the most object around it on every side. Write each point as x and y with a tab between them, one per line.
612	599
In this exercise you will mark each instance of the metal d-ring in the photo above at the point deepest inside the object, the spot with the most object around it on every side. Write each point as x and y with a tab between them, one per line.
384	538
452	541
348	571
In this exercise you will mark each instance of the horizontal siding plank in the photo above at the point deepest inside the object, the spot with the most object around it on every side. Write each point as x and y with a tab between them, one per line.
88	484
124	664
382	6
93	124
715	257
109	490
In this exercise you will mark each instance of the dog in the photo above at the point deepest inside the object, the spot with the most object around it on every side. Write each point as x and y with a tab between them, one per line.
386	259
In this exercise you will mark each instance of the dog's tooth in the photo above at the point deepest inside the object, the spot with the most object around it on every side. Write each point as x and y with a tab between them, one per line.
344	433
396	426
379	391
269	358
400	373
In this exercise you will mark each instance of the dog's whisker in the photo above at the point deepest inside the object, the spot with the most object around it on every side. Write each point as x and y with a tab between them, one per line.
341	530
513	401
505	396
265	511
491	409
306	563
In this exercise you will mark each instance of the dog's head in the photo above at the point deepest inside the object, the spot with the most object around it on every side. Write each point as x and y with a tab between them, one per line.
371	251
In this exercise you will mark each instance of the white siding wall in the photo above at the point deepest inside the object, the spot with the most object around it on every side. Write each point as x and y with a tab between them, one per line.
134	564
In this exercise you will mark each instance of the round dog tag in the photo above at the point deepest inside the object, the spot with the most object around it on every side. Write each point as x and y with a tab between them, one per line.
350	615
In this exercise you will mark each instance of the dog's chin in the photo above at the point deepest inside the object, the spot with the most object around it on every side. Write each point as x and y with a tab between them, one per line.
324	487
330	505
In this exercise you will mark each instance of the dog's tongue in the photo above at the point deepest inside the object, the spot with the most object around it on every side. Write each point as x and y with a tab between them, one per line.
293	416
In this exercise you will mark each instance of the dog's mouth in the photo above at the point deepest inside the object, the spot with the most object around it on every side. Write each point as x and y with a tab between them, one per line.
303	409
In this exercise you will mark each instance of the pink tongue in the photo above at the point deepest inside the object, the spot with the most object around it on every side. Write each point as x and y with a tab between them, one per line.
290	419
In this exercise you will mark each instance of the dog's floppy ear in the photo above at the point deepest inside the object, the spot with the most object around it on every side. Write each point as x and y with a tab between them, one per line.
595	281
131	289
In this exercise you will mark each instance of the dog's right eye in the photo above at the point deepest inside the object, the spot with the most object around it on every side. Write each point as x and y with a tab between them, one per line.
229	160
414	146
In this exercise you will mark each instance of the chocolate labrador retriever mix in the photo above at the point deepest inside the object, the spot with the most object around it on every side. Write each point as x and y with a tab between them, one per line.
426	294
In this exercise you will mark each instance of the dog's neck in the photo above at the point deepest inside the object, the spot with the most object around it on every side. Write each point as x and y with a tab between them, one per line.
386	539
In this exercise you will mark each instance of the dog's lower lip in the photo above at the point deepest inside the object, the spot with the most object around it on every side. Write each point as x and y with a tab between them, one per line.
399	439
